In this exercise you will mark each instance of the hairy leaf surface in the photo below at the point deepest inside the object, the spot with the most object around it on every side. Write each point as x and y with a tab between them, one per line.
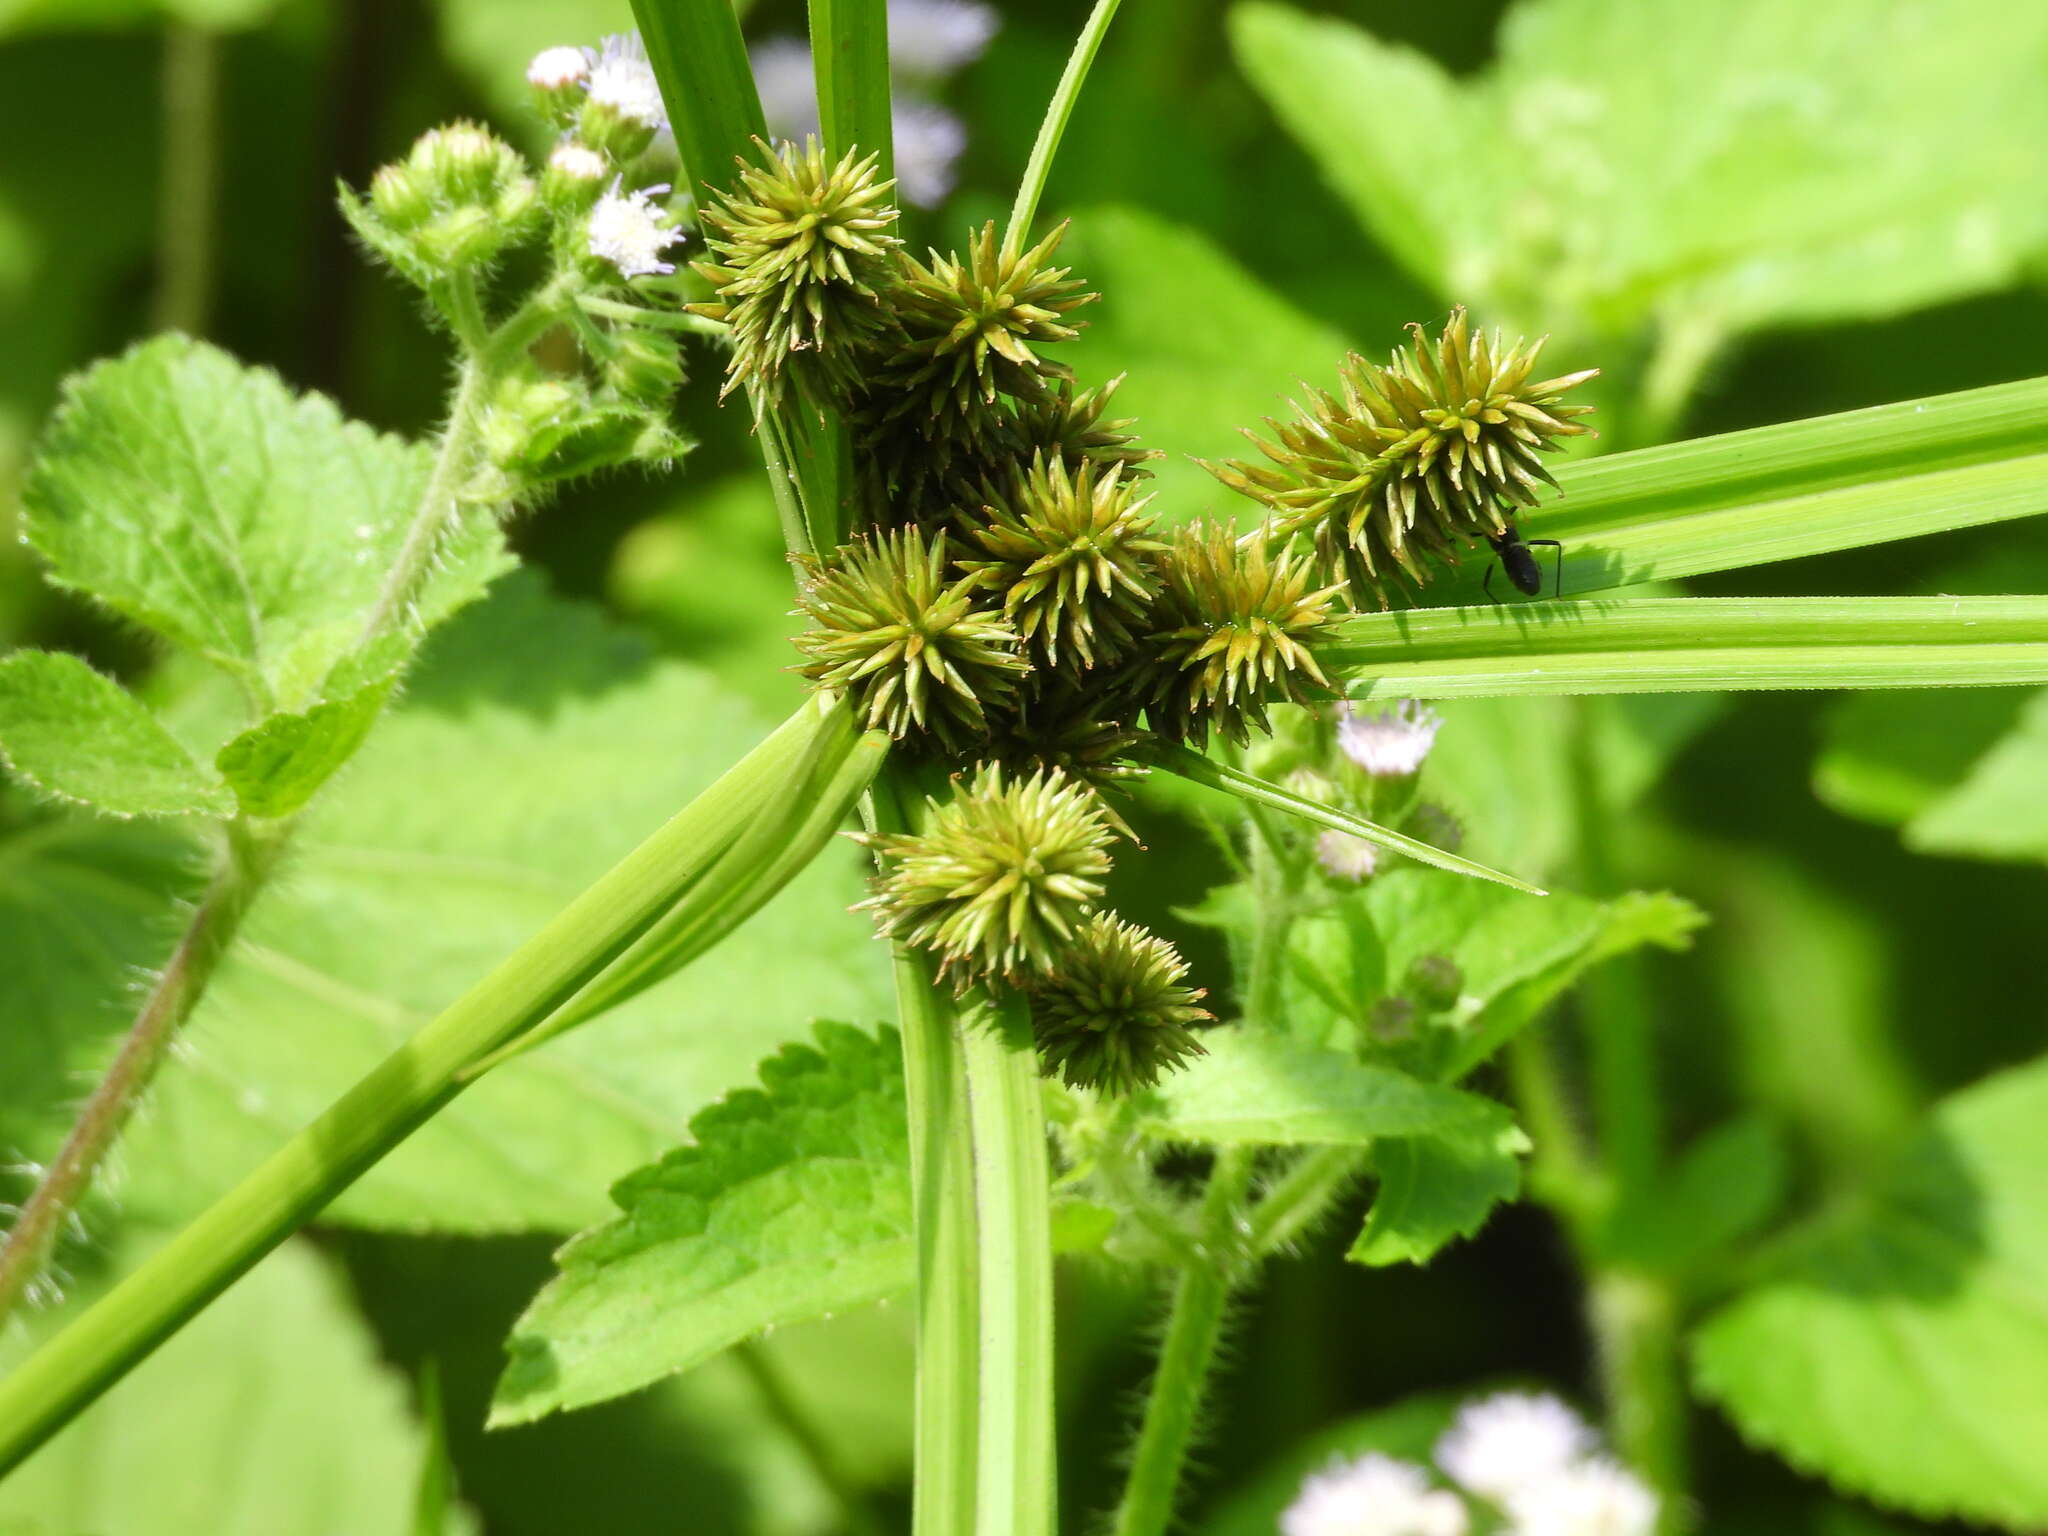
791	1202
79	736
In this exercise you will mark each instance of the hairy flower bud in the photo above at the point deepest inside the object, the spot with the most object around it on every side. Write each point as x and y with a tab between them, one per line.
1000	876
1113	1015
459	200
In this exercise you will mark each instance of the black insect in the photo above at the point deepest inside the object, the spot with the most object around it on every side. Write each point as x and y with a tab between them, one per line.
1518	559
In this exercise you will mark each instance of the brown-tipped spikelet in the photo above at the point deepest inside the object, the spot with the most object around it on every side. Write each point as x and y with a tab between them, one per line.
1000	876
905	640
1069	553
803	254
1114	1017
1235	621
1414	459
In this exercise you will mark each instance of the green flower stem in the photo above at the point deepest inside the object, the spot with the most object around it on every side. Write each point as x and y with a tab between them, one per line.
1016	1479
947	1423
1634	1316
1061	107
1298	1199
295	1183
1187	1356
658	319
251	850
188	185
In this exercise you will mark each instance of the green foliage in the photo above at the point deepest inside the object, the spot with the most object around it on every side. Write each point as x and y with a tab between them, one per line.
1997	810
791	1202
1723	1188
1253	1088
1900	1350
452	839
274	768
1435	1189
285	1372
79	737
1834	163
206	502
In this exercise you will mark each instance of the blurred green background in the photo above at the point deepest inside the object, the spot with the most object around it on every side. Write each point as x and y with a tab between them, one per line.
1876	899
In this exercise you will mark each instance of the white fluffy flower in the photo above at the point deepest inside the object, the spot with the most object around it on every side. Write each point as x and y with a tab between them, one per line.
622	79
1504	1445
788	86
1345	856
1389	743
1597	1497
929	140
1372	1496
932	38
556	69
630	231
577	162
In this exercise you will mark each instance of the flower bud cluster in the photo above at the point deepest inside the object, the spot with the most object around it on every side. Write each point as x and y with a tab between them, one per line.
1520	1464
449	215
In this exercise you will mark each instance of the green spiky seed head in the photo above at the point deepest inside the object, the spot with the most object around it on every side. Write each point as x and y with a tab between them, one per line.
999	878
1115	1017
1069	553
1074	425
908	641
1415	459
1236	621
972	328
803	254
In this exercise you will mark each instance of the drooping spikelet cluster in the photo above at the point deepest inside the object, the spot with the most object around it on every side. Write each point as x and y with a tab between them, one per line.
1009	605
1413	460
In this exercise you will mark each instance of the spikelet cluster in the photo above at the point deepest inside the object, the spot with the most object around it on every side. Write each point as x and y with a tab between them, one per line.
1012	606
901	633
1116	1016
1000	876
1411	461
803	251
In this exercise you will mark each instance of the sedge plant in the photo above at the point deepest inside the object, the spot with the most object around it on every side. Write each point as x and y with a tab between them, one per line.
1007	637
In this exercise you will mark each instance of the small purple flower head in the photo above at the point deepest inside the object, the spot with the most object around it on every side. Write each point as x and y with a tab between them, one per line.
1389	743
1346	857
631	230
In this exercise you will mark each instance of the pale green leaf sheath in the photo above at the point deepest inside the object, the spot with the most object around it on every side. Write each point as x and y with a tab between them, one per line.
792	1202
80	737
253	526
1903	1352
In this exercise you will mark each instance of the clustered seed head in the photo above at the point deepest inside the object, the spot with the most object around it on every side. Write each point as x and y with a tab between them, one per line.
905	639
1415	459
1115	1016
803	251
1237	621
1070	553
1074	425
999	877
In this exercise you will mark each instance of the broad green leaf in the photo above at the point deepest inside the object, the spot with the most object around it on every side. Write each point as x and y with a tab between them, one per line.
1997	811
1888	757
1190	386
1902	1353
85	905
1715	167
269	1415
275	767
1260	1088
1433	1190
533	747
80	737
790	1203
1689	644
1724	1187
209	503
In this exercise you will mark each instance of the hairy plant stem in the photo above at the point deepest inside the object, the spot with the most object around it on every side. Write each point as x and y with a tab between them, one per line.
188	183
400	1094
1187	1354
250	850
